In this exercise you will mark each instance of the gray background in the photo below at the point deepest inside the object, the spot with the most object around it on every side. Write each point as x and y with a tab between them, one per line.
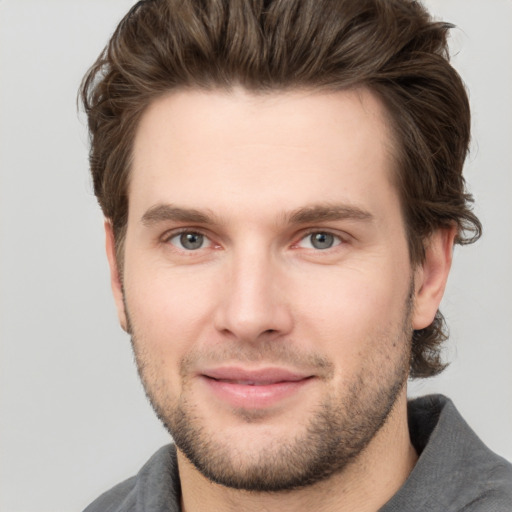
73	418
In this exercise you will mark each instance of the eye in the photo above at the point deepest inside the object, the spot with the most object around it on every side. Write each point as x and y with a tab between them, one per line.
189	241
320	240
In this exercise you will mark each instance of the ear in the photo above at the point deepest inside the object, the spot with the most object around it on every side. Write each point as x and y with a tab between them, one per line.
431	276
115	277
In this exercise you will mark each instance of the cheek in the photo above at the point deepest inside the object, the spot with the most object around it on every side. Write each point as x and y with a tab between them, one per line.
351	311
339	295
166	325
169	311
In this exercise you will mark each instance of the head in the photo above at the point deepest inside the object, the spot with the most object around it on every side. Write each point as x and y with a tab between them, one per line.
388	53
391	47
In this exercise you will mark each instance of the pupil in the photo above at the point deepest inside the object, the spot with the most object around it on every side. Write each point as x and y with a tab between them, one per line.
322	240
191	240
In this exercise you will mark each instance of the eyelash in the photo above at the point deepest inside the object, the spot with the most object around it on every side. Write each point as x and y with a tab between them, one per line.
341	240
338	239
176	233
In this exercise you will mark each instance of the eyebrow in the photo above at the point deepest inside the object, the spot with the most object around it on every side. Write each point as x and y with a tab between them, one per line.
305	215
166	212
328	212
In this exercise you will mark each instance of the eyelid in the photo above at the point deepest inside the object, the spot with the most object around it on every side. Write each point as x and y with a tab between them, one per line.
172	233
169	233
343	237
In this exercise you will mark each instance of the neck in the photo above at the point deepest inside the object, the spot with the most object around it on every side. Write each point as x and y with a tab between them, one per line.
363	486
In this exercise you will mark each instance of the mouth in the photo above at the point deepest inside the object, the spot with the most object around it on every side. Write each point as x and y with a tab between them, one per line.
254	389
251	382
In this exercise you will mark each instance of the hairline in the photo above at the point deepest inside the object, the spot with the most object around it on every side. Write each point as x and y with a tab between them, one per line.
392	143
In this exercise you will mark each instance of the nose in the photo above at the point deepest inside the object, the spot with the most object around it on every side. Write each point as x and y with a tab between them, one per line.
253	303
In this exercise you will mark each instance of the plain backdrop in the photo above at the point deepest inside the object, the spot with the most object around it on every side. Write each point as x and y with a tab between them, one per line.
74	420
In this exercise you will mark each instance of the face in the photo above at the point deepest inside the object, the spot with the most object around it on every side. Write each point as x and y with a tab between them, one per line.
267	283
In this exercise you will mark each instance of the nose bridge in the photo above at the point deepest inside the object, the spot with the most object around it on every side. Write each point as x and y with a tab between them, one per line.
253	303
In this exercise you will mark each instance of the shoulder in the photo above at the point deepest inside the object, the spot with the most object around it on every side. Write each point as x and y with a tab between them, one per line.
455	472
119	498
155	488
494	492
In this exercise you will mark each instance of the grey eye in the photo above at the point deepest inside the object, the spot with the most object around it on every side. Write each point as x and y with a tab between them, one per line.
190	241
322	240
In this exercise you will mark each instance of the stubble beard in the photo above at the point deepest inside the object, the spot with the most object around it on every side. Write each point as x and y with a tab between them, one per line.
339	429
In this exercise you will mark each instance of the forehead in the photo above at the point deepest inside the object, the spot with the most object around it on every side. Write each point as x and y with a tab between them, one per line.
228	150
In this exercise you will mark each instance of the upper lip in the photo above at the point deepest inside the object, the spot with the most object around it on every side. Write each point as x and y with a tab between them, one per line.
269	375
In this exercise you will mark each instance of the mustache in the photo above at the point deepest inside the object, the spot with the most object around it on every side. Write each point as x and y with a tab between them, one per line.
271	352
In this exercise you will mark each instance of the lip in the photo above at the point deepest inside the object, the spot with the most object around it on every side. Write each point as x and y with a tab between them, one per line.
254	388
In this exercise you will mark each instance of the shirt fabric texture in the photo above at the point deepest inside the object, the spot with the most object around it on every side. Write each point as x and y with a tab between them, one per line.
455	471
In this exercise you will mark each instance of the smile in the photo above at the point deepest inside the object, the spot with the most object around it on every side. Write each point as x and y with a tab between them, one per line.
254	389
248	382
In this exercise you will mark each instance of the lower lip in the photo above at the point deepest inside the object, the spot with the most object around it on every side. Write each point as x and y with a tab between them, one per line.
254	397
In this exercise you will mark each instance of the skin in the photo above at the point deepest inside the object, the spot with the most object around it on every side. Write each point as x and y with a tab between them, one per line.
255	176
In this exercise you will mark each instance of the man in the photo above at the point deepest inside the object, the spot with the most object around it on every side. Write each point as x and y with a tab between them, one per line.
282	187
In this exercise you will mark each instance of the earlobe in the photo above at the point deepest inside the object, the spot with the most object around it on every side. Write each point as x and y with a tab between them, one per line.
431	276
115	276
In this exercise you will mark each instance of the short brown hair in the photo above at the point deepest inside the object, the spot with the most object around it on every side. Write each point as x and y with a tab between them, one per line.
392	47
